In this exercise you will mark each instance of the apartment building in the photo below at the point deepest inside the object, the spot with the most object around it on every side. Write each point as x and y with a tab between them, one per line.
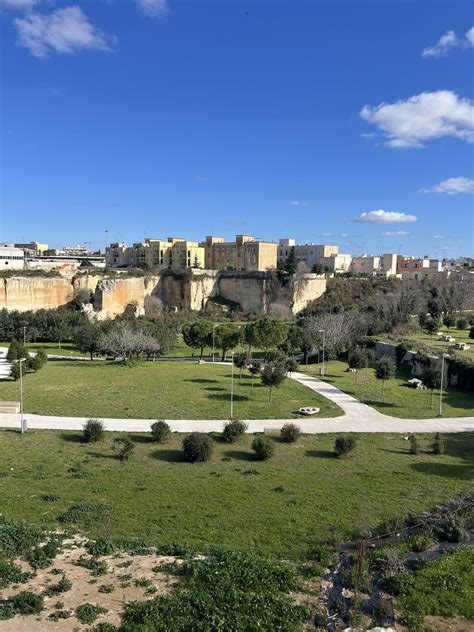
245	253
174	252
11	258
380	265
417	269
309	254
33	248
337	264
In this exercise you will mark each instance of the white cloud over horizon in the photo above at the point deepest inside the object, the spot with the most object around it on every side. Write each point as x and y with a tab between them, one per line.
153	8
447	42
384	217
19	5
395	233
422	117
452	186
64	31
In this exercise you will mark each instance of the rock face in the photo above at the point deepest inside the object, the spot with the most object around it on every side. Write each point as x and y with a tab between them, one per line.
191	289
25	293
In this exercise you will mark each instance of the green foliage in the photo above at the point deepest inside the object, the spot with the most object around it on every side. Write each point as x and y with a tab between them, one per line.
43	556
414	447
99	547
51	498
17	539
442	588
106	588
400	352
290	433
93	431
62	586
24	603
59	615
453	530
123	448
17	370
160	431
420	541
233	430
197	447
87	338
240	360
263	447
227	337
198	335
93	512
265	333
11	573
344	445
97	567
385	369
225	591
88	612
273	374
399	585
462	323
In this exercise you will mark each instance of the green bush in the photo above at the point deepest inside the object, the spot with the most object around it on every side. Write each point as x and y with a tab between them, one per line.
421	541
88	612
197	447
453	531
62	586
233	430
263	448
344	445
160	431
106	588
123	448
101	546
97	567
399	585
24	603
462	323
93	431
11	573
290	433
43	556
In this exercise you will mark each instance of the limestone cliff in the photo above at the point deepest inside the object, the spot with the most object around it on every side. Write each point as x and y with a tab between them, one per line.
247	291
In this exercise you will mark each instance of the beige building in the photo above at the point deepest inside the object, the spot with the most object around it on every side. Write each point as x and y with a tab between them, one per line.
245	253
380	265
337	264
156	253
11	257
33	248
308	254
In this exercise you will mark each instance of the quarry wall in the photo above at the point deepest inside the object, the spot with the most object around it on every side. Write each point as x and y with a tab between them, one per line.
190	289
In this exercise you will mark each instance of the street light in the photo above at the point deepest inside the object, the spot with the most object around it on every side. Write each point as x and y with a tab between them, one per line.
24	335
22	421
232	389
213	341
443	356
323	331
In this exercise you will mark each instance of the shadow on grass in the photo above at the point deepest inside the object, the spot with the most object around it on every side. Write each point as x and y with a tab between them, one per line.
140	438
394	451
444	470
240	455
214	388
321	454
72	437
226	397
102	455
169	456
202	380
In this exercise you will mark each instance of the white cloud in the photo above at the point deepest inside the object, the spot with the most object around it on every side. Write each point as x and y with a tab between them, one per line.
295	203
443	45
423	117
470	36
18	5
153	8
439	237
384	217
452	186
65	31
395	233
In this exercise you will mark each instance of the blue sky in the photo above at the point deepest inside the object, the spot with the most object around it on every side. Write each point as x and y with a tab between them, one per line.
277	119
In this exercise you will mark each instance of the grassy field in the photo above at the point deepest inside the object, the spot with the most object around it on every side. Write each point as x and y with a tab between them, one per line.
167	390
282	506
400	400
52	348
460	335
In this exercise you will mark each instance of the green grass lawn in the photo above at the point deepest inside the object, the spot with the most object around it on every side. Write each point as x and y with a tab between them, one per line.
282	506
52	348
170	390
460	335
400	400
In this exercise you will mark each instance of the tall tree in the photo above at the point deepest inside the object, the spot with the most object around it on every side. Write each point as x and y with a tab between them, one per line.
227	337
273	374
384	370
357	359
292	261
198	335
87	338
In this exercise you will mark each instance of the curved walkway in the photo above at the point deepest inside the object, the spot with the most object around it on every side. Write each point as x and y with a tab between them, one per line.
358	417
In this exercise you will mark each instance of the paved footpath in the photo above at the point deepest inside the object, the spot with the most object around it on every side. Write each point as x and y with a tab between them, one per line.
358	417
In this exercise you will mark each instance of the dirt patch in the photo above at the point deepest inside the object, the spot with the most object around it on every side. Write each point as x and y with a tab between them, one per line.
128	577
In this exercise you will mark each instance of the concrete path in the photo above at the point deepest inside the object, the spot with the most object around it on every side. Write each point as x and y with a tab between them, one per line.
358	417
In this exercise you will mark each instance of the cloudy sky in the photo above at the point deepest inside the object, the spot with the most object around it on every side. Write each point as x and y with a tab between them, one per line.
336	122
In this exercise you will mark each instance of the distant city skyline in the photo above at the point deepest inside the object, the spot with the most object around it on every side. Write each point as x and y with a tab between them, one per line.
315	121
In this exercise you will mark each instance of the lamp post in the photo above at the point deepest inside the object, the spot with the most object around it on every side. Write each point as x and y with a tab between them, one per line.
232	389
24	335
441	386
213	341
22	422
323	331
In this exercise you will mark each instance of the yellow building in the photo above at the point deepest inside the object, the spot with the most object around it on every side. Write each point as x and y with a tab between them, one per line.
245	253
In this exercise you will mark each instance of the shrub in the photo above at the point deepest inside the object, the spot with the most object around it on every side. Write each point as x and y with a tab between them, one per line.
421	541
414	447
233	430
97	567
461	323
93	431
290	433
399	585
160	431
106	588
439	444
197	447
101	546
263	448
10	573
24	603
453	531
62	586
123	448
88	612
344	445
